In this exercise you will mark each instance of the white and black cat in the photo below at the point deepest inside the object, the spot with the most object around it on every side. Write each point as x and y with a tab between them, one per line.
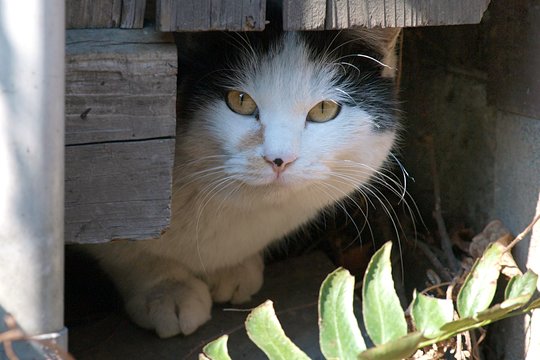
273	127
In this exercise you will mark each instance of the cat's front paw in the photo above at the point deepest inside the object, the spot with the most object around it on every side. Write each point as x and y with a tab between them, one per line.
238	283
172	307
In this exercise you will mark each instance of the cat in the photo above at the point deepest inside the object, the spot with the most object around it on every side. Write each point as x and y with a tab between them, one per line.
273	127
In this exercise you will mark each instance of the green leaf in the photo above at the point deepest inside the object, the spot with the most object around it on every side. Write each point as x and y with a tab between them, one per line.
483	318
521	285
216	350
339	335
480	284
397	349
500	311
383	316
264	329
430	314
535	304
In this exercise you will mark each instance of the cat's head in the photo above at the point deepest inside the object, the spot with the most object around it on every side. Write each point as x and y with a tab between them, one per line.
281	113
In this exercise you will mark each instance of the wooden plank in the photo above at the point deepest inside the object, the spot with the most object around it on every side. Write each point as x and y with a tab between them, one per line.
133	14
120	85
303	15
198	15
118	190
514	57
93	13
342	14
120	130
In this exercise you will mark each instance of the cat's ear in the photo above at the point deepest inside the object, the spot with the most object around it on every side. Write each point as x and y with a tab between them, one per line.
389	38
383	40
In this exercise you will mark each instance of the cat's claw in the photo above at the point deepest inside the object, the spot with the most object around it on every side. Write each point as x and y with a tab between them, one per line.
237	284
172	307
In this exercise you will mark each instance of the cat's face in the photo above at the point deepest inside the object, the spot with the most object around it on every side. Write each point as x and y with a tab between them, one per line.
293	117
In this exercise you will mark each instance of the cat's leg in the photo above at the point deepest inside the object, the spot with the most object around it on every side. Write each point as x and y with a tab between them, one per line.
236	284
160	294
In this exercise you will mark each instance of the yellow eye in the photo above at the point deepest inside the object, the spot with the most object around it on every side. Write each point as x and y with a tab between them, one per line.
240	102
324	111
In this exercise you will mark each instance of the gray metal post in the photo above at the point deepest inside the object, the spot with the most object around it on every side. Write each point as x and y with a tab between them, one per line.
32	164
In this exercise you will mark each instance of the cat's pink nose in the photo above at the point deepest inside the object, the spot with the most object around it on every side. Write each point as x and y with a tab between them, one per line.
280	163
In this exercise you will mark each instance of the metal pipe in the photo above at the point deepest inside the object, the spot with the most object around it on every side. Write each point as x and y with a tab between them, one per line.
32	164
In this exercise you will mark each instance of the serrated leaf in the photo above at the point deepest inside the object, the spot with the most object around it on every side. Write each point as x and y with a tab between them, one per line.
480	284
339	335
216	350
430	314
264	329
383	316
521	285
396	349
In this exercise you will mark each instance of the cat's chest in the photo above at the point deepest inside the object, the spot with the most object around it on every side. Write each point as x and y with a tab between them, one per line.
225	235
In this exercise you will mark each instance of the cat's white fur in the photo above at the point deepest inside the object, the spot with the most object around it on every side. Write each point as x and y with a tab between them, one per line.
229	204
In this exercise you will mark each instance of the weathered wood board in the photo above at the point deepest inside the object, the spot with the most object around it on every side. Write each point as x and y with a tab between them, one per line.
118	190
514	57
84	14
245	15
341	14
120	129
133	14
198	15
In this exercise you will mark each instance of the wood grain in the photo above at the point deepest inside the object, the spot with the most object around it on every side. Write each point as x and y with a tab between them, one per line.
87	14
133	14
118	190
199	15
93	13
341	14
120	85
120	130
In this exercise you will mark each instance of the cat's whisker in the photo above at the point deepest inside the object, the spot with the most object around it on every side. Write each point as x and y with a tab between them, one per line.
386	205
243	46
347	214
379	178
326	55
389	210
201	160
375	171
228	196
202	178
219	185
366	57
329	55
341	63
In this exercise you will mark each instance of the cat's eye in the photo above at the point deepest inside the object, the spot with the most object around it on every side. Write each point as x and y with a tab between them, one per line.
240	102
324	111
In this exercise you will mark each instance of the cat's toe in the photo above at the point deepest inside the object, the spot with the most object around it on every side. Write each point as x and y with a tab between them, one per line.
172	308
239	283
